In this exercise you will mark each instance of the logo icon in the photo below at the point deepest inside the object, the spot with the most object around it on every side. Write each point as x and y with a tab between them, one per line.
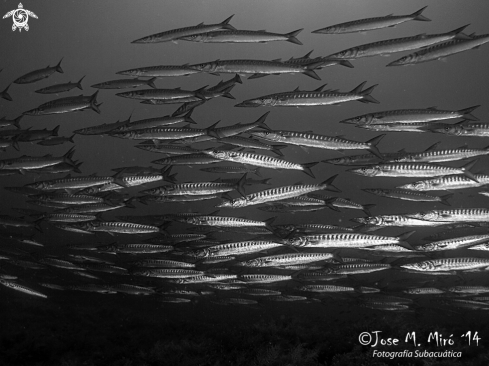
20	17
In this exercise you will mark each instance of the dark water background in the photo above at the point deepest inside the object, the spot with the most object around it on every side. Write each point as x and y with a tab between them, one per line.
94	38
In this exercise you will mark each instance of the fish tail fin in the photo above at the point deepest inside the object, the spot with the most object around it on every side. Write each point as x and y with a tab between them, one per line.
276	149
17	120
373	146
466	169
417	15
15	143
404	236
311	73
345	63
76	168
70	139
6	95
151	83
211	131
367	208
198	93
237	79
93	102
268	223
228	95
444	199
306	168
78	84
54	132
458	33
291	36
225	23
187	117
58	66
257	171
69	155
467	113
240	185
367	98
328	184
260	122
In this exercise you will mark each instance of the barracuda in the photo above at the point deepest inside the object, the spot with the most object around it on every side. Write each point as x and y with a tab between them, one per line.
155	122
311	98
320	141
326	288
21	288
276	194
464	128
449	182
124	84
346	240
68	199
408	195
163	94
227	221
448	264
160	71
454	243
162	263
132	290
414	170
367	24
394	220
263	278
203	279
382	48
243	36
259	160
437	156
37	75
357	268
201	188
411	116
168	149
161	133
288	259
59	88
134	248
236	248
70	183
440	51
65	105
175	34
35	162
115	227
456	215
256	68
169	273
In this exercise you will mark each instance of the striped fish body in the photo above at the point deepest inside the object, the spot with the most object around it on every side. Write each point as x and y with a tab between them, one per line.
160	71
153	123
224	221
442	50
59	263
456	215
407	170
40	74
263	278
250	67
256	160
191	189
453	243
93	208
359	268
180	199
448	182
409	116
468	290
476	129
158	94
203	279
237	248
21	288
259	292
407	195
132	289
123	84
326	288
70	183
65	106
31	162
175	34
395	220
169	273
199	158
165	263
239	36
274	194
442	155
287	259
58	217
120	227
168	149
100	129
424	291
159	133
60	88
135	248
367	24
448	264
68	199
389	46
342	240
137	180
402	127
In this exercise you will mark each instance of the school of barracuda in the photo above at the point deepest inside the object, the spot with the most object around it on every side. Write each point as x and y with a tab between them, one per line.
265	261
